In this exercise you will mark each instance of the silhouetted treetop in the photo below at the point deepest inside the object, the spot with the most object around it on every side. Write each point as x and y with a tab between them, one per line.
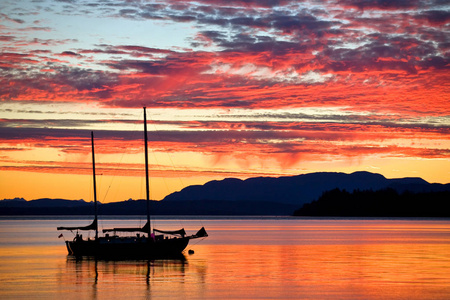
381	203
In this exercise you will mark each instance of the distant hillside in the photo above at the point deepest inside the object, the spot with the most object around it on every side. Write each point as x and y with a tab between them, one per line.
253	196
196	207
44	202
299	189
381	203
45	206
139	207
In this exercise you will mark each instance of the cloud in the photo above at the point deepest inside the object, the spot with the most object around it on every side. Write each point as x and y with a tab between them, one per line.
381	4
12	61
243	87
14	20
203	134
292	43
69	53
7	38
292	55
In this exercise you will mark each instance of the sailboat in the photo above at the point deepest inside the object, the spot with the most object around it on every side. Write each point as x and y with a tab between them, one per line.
145	241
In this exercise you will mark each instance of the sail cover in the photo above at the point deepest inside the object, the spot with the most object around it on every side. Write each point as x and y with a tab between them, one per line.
129	229
145	228
178	232
93	226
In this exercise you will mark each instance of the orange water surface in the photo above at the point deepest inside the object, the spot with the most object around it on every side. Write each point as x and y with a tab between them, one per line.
243	258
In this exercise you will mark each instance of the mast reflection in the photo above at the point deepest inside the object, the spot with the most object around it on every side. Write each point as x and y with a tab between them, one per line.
99	270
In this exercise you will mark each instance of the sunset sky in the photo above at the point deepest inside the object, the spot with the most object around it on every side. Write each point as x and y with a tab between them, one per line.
232	89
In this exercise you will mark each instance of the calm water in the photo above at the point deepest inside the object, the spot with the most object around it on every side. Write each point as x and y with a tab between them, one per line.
243	258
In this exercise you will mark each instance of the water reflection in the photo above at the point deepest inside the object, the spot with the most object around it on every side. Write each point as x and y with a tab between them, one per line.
279	259
87	267
352	271
102	278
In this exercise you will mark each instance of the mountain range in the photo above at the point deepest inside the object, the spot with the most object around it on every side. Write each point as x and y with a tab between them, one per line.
299	189
231	196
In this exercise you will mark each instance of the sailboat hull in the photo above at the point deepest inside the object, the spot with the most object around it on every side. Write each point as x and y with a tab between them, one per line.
127	247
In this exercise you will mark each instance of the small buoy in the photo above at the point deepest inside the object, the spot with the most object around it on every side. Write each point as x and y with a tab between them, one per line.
191	251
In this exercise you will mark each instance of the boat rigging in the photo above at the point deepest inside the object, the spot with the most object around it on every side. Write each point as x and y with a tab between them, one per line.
153	242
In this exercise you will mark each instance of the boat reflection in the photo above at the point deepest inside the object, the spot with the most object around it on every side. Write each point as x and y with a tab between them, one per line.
98	278
143	270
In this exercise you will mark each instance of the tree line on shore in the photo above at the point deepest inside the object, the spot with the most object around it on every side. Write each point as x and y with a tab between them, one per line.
381	203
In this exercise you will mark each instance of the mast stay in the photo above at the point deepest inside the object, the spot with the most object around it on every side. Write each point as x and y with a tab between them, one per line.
94	224
95	186
148	225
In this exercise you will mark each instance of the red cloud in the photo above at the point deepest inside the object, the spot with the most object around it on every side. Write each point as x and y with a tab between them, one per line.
390	68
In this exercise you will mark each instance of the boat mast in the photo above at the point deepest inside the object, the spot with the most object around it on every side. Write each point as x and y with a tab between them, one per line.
95	185
146	174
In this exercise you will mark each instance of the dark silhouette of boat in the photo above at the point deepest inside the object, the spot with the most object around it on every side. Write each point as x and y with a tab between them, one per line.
145	241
